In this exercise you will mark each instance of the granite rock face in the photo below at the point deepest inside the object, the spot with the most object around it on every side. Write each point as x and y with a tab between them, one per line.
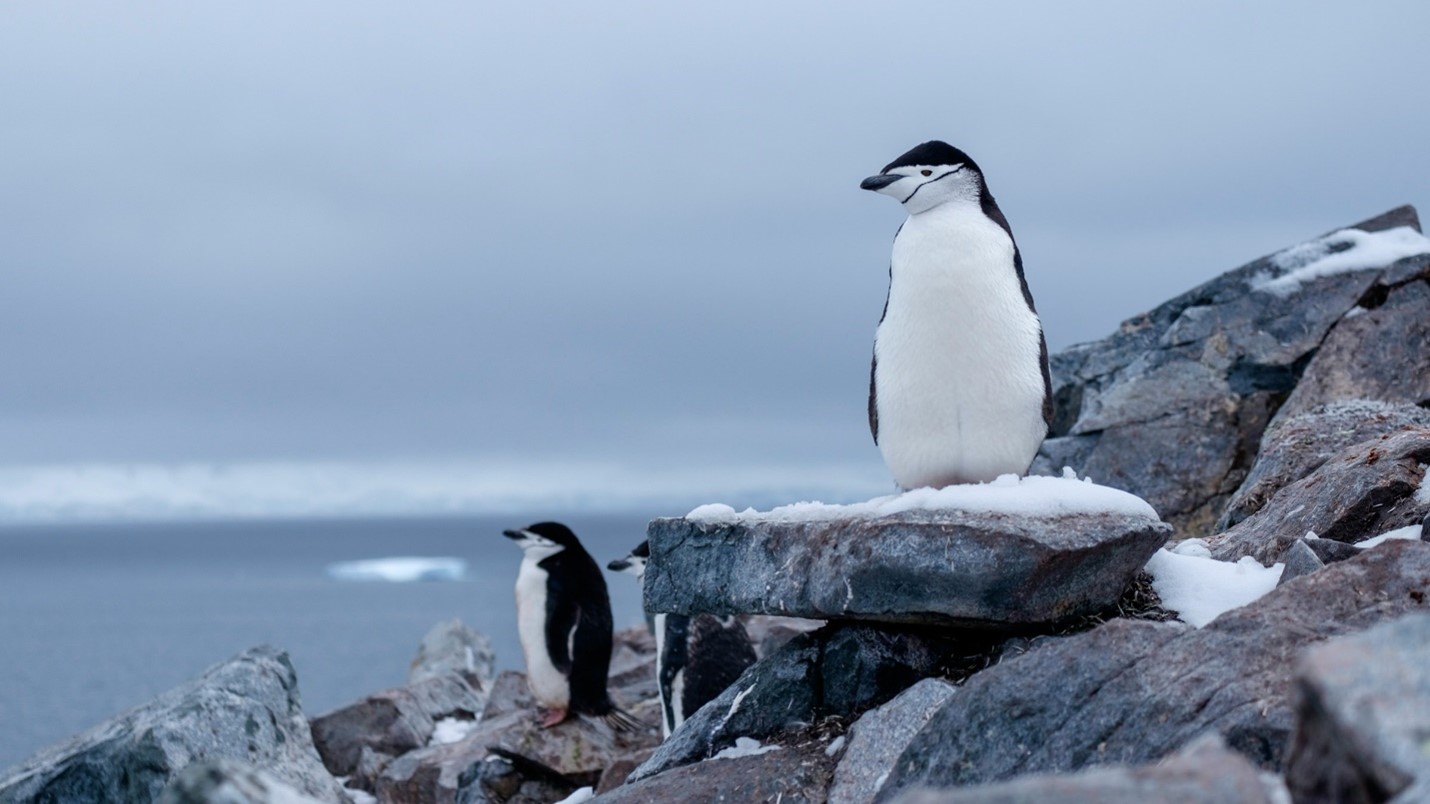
1132	692
393	722
1203	773
839	670
452	647
877	739
990	570
1295	446
1363	716
1362	491
223	781
246	709
1173	405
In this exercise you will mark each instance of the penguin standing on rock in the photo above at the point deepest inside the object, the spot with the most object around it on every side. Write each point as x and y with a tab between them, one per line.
564	621
959	389
696	658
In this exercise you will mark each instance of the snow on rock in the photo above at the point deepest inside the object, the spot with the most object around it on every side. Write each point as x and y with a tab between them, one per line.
745	747
451	730
1008	495
581	795
1200	588
1412	532
399	570
1337	253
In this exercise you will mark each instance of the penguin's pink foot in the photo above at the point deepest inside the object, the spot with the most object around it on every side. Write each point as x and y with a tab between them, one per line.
553	717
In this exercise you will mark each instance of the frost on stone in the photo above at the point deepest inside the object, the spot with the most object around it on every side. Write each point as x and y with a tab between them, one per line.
1340	252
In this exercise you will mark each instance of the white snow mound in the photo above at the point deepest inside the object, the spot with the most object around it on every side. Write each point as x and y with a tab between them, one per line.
1200	589
1338	253
1009	495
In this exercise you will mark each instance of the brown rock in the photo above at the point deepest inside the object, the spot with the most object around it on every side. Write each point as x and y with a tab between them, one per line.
788	774
392	722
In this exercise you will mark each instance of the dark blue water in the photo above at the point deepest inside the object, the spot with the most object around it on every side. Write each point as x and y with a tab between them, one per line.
96	619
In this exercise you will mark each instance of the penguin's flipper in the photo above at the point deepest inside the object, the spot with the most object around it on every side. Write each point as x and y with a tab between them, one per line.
562	616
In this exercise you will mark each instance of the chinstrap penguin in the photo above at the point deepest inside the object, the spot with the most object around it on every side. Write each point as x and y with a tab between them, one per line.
563	616
958	388
697	658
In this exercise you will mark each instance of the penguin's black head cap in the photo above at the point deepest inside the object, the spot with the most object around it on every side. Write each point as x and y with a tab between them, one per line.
927	175
554	532
633	563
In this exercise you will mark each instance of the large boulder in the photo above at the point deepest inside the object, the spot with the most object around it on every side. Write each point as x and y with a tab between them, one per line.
1360	492
246	709
1204	773
1172	406
1005	553
1363	715
1295	446
1132	692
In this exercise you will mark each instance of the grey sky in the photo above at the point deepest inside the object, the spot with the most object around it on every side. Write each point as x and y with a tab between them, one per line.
624	232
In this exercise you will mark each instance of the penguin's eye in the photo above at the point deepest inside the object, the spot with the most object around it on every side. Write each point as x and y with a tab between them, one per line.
926	172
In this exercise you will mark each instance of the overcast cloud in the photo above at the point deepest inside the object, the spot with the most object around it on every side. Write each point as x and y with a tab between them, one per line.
627	234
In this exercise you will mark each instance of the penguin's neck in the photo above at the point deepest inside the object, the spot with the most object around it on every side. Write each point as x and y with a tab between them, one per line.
954	246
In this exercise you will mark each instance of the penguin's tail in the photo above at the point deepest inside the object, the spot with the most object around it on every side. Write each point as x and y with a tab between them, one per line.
621	720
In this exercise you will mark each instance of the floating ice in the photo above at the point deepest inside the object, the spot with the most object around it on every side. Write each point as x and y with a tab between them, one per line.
1200	589
1009	494
399	570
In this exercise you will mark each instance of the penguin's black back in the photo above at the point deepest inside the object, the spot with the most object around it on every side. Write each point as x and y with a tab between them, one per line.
718	652
576	598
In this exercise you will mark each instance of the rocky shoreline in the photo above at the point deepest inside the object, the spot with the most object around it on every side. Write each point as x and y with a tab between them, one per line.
994	644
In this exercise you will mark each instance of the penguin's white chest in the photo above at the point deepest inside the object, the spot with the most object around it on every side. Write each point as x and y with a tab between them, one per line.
548	685
958	379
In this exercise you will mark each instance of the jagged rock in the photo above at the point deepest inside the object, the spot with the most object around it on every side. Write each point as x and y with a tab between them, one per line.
245	709
394	721
1130	692
1294	447
1300	560
223	781
1363	713
1379	353
452	647
1362	491
579	749
788	774
512	779
1172	406
877	739
769	633
1330	551
993	568
840	670
1203	773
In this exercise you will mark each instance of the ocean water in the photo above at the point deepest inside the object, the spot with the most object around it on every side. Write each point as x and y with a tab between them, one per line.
95	619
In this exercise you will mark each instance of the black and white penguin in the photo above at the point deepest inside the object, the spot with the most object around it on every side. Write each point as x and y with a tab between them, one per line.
959	389
563	617
697	658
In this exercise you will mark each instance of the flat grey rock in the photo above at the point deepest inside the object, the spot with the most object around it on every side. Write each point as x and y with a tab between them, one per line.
1361	492
876	740
1132	692
1171	407
246	709
1295	446
1203	773
1362	716
946	567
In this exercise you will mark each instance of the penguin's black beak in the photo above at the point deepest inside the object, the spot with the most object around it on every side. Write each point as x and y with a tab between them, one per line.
879	182
619	565
514	535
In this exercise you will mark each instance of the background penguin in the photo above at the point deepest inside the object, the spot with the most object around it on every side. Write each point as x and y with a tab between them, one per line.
959	389
564	621
696	657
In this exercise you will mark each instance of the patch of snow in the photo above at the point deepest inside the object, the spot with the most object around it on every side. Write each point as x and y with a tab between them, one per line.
735	704
1409	532
399	570
451	730
1201	589
1422	494
1310	534
1355	312
1009	495
1339	252
1193	547
582	794
879	782
834	746
745	747
360	796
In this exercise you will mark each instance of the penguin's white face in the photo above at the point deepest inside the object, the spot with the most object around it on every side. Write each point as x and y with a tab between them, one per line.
631	565
922	187
536	546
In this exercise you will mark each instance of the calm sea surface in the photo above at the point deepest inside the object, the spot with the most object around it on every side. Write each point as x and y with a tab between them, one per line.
95	619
